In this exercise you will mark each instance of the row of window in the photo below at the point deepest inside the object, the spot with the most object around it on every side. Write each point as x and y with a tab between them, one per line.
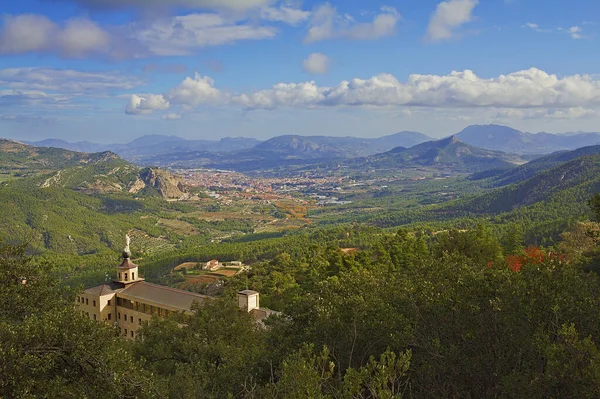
83	300
142	307
125	332
125	318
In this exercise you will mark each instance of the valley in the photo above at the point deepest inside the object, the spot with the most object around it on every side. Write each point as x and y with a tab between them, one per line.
344	246
428	186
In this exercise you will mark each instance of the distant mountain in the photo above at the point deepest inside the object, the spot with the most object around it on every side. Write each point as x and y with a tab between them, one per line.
402	139
308	147
328	147
449	153
538	165
154	145
80	146
165	150
504	138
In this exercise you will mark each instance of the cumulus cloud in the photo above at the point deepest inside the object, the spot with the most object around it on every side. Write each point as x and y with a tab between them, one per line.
36	33
146	104
326	24
316	63
289	15
195	91
236	5
168	36
65	80
182	34
521	91
448	16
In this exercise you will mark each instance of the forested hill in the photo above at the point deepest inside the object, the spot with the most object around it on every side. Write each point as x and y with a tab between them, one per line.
538	165
95	173
580	174
24	159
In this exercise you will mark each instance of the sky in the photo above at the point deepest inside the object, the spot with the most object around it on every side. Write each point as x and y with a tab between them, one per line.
109	71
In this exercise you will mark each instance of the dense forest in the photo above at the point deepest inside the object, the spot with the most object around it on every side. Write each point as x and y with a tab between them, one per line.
455	314
480	286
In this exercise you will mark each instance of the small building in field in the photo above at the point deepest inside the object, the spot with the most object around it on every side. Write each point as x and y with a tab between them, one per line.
212	265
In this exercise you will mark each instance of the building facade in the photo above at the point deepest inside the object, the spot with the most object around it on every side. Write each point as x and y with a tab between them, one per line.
128	301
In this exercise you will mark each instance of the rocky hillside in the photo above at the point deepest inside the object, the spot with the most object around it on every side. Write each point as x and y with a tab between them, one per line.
22	160
96	173
168	186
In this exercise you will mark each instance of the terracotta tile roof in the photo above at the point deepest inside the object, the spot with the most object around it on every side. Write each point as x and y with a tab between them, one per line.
104	289
160	295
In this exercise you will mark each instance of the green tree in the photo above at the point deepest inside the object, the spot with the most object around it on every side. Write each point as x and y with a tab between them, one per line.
48	349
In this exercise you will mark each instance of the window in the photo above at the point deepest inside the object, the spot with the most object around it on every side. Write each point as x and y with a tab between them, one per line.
125	332
132	334
86	301
132	276
119	315
94	316
109	302
140	320
88	314
109	316
125	276
94	303
131	319
78	299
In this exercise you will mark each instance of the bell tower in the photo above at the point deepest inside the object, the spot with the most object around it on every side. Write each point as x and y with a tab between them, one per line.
127	271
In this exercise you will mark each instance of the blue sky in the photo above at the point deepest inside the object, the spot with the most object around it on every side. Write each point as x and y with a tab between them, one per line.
112	70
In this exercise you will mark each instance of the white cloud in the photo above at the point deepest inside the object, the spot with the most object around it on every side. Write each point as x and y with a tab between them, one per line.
195	91
448	16
36	33
316	63
326	24
171	116
65	80
289	15
520	92
182	34
146	104
548	113
575	32
535	27
170	36
236	5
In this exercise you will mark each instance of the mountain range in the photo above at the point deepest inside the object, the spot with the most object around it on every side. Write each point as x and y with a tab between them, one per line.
507	139
163	150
